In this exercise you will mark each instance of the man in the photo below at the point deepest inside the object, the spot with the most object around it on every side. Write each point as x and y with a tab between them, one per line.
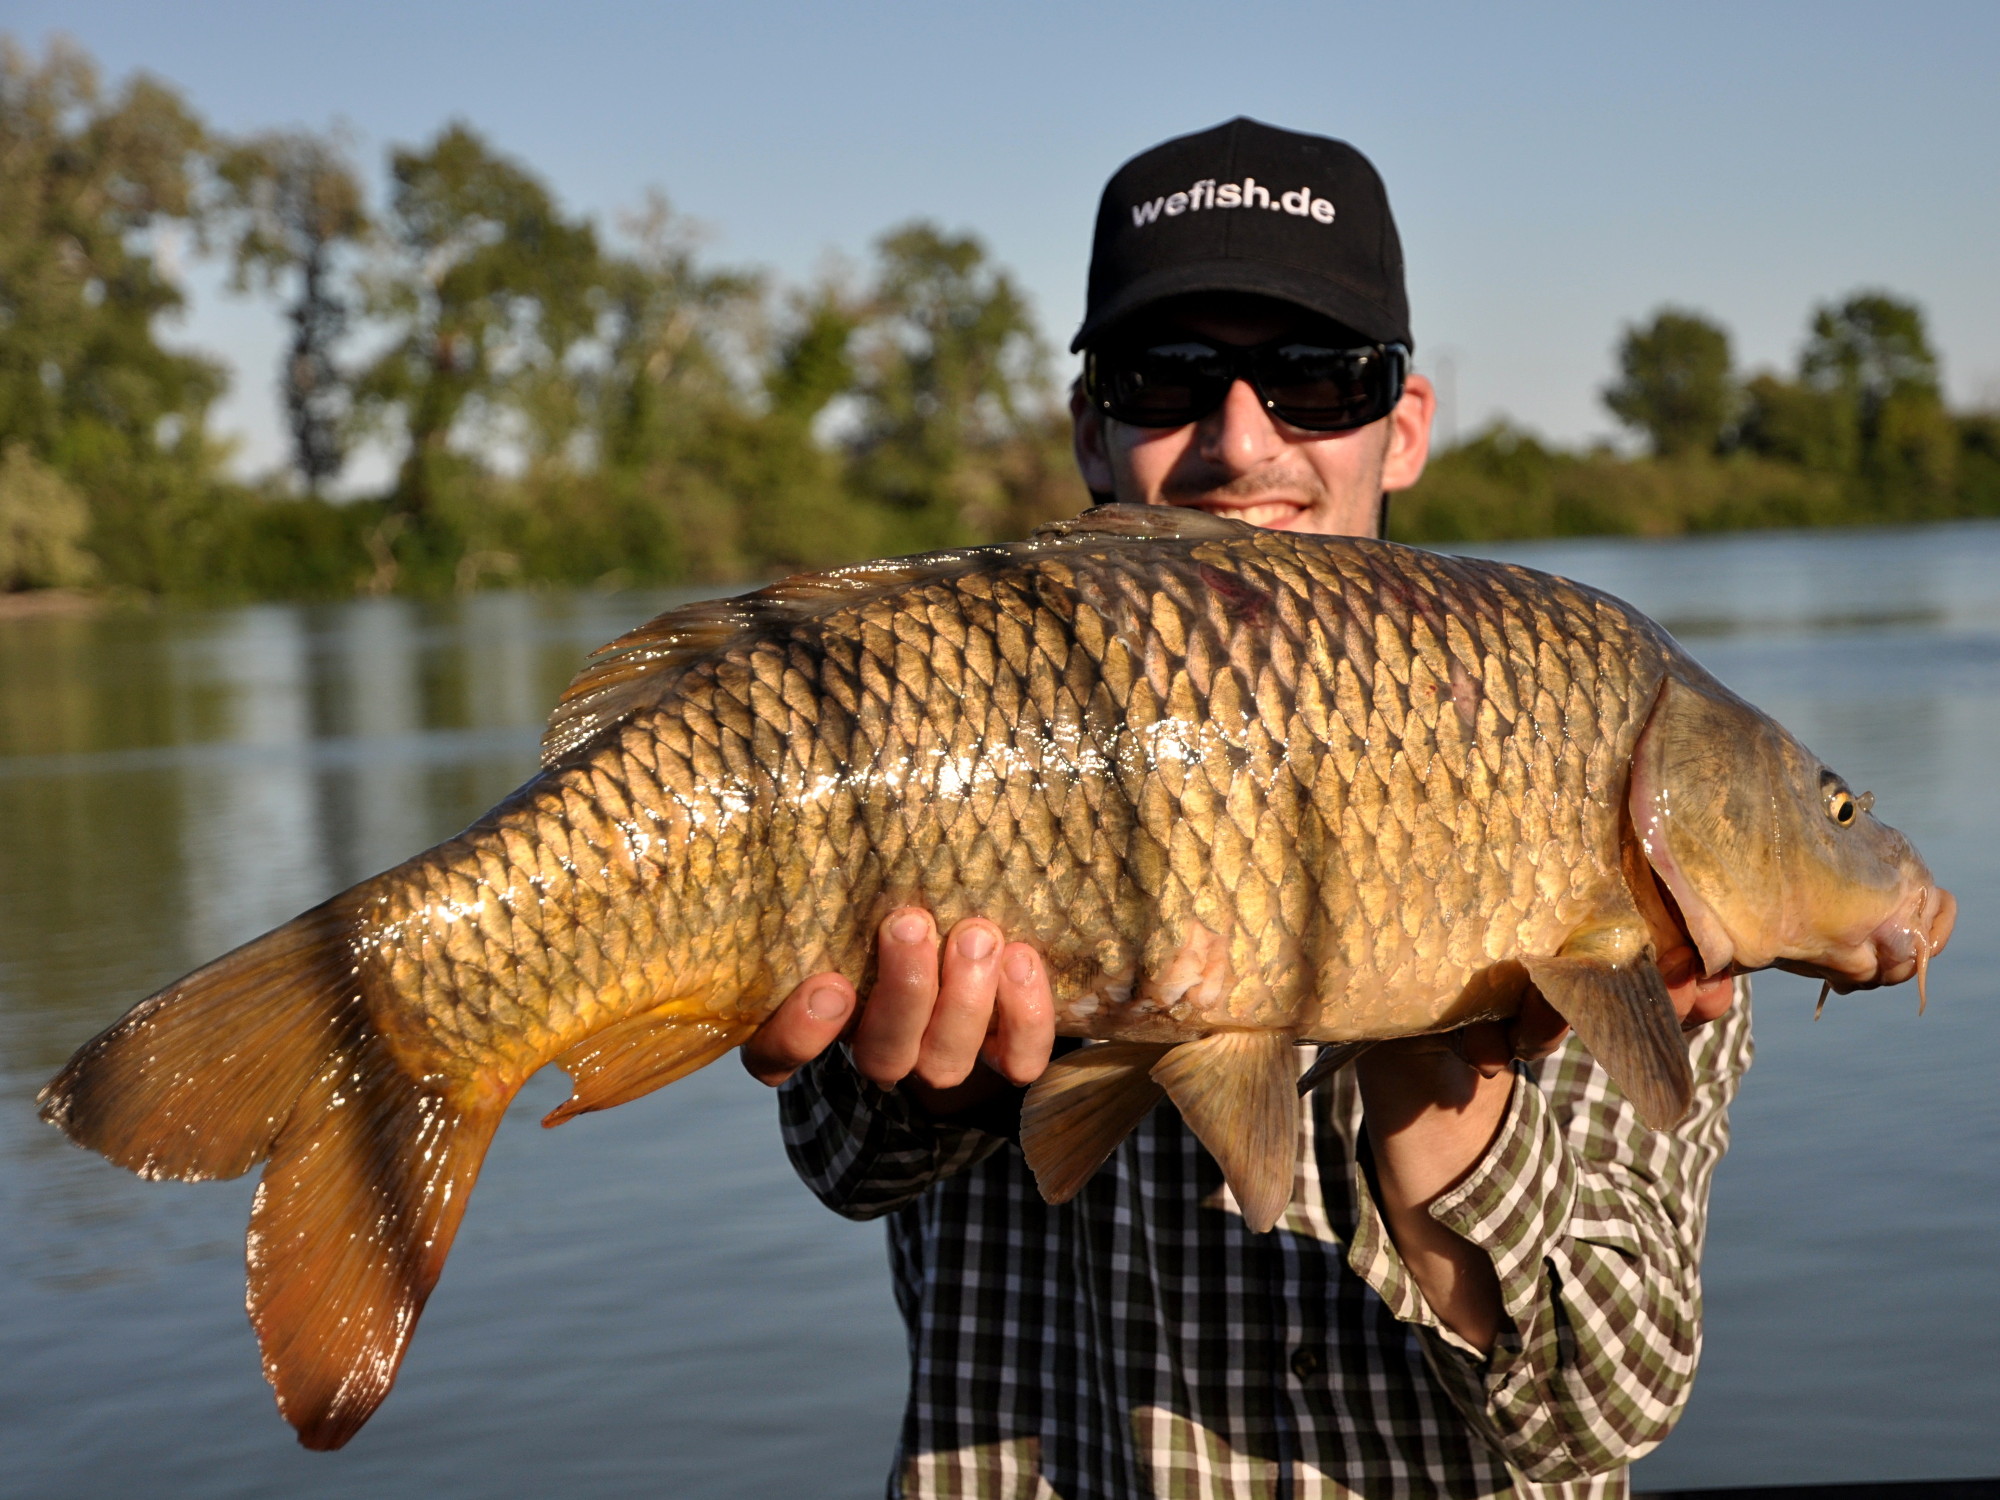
1487	1281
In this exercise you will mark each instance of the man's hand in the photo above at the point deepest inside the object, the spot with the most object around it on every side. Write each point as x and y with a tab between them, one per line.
1433	1106
953	1023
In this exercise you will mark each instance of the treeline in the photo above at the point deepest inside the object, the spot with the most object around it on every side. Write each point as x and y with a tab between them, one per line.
567	403
1858	434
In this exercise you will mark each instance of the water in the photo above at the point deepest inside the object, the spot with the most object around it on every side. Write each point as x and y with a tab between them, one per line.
646	1301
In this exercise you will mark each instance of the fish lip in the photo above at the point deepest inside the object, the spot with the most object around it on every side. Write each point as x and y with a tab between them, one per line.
1900	946
1913	934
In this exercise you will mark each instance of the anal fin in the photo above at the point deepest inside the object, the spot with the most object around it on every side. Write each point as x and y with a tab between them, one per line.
1081	1107
1238	1091
1623	1014
642	1053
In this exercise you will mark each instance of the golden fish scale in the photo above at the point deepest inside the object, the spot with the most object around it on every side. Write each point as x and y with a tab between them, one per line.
1273	782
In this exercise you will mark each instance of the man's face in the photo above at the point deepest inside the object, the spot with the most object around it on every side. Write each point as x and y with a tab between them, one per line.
1241	461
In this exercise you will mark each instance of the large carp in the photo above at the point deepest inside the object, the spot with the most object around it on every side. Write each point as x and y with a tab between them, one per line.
1244	790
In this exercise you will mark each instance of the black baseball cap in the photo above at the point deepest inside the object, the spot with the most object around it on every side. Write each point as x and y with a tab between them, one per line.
1247	207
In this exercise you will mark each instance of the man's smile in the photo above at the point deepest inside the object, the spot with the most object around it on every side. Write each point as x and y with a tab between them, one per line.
1275	513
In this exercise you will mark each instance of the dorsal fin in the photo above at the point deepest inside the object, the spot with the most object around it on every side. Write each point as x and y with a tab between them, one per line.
1165	522
641	666
636	670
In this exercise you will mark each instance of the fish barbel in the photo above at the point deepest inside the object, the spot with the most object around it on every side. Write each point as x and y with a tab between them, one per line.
1243	789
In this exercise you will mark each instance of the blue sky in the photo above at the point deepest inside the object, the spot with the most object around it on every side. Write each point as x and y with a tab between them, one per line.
1557	170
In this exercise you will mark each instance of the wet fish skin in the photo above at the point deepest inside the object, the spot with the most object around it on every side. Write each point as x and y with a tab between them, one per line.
1187	773
1244	789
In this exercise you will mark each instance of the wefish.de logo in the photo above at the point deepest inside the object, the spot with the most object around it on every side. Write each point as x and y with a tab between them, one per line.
1249	193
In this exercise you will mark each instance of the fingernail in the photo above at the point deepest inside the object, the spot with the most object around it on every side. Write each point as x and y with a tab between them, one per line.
975	943
910	927
1020	966
830	1002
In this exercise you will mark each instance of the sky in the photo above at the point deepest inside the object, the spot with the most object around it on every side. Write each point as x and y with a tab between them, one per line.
1558	171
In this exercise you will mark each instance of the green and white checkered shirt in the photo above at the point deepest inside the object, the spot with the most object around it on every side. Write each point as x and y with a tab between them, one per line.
1140	1340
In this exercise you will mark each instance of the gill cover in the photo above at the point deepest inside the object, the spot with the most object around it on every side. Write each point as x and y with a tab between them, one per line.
1769	856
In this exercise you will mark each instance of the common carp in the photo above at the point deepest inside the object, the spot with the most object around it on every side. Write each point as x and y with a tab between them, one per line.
1244	789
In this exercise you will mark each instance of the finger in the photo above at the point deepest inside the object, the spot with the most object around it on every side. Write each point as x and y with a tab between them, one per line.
1485	1046
1704	1001
969	976
1538	1029
898	1010
805	1024
1024	1016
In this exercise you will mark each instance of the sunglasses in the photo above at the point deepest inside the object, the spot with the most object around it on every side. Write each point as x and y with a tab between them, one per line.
1180	380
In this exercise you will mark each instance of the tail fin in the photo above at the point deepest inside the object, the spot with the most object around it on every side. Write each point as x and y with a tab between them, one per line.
270	1052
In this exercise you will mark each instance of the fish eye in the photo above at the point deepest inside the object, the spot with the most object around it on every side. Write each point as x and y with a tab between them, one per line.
1843	806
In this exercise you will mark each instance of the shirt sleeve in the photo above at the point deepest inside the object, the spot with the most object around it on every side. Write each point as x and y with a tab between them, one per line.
865	1151
1595	1226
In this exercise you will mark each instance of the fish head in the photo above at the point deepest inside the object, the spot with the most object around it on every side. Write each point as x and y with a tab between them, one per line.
1770	858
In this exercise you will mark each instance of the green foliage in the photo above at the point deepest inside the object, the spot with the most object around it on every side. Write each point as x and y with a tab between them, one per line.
1675	383
1860	435
1790	422
1505	483
43	522
1866	406
1871	347
292	203
566	406
91	182
490	287
951	374
1979	464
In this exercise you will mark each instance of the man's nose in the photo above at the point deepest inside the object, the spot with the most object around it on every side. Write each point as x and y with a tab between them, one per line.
1239	435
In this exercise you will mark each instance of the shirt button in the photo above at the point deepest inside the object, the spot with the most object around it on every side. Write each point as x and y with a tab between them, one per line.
1305	1363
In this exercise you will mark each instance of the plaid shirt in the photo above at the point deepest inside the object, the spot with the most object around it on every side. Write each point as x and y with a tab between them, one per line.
1141	1341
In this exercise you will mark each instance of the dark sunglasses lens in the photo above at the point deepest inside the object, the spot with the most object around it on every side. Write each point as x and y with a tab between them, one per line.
1162	385
1326	390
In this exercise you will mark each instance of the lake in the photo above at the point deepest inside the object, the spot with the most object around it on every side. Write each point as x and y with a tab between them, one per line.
646	1301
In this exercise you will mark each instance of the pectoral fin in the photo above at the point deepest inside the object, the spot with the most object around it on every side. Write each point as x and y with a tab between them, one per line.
1332	1058
1081	1108
1238	1091
1623	1014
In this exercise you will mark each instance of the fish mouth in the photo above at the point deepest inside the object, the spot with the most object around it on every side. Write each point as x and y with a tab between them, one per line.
1900	947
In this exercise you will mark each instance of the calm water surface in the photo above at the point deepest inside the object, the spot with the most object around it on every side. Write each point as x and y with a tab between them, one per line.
646	1301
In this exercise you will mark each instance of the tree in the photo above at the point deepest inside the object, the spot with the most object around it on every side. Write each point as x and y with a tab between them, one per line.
489	287
1871	347
88	183
1872	354
1676	385
669	327
951	372
814	360
294	203
43	522
1796	423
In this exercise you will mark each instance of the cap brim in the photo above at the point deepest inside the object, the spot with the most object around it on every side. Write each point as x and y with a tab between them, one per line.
1318	294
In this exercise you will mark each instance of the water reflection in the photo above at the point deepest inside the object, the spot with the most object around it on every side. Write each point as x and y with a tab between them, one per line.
645	1301
252	837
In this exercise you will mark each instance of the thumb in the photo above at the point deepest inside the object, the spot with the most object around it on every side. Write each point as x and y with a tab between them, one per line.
805	1024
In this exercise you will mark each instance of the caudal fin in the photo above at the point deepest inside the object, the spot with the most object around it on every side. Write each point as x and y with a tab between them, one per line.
270	1053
